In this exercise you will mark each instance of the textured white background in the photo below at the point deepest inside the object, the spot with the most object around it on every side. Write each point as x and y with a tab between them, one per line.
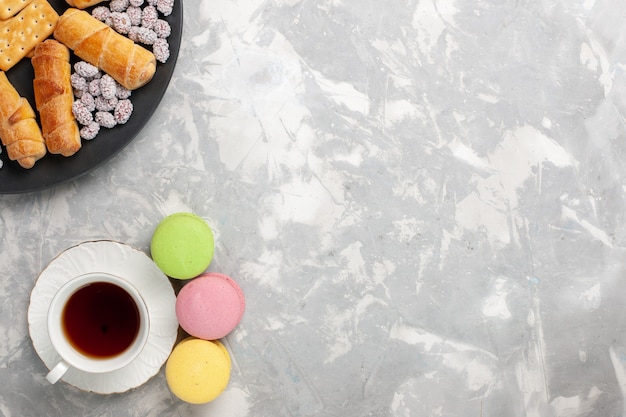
423	202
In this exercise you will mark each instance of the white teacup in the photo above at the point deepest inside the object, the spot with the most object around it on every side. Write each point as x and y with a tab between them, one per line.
97	323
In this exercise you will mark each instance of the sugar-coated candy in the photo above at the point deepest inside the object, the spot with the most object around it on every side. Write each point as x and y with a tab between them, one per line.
162	28
149	15
88	101
85	69
105	119
136	3
121	22
90	131
106	104
165	6
101	13
134	13
161	50
142	35
82	115
122	111
94	87
118	5
107	86
79	82
122	92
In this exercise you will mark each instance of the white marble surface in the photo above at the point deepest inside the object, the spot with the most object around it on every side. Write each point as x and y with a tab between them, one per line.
422	200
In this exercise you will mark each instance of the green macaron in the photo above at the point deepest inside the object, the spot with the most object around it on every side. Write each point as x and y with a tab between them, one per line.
182	245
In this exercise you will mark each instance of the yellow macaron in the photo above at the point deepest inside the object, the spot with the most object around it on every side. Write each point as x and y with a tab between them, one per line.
198	370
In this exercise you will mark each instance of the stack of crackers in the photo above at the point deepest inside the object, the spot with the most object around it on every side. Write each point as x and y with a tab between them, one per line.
23	25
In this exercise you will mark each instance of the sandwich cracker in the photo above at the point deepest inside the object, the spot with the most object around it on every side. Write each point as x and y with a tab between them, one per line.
9	8
22	32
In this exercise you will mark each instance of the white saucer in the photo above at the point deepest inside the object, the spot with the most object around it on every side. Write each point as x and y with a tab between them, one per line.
121	260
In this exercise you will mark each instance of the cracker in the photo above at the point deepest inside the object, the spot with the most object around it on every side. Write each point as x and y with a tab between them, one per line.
21	33
9	8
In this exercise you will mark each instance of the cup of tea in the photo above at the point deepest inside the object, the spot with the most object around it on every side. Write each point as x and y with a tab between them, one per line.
97	322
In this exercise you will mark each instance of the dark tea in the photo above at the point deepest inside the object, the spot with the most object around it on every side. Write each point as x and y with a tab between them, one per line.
101	320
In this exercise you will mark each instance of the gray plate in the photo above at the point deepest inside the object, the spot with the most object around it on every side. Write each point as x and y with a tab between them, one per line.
53	170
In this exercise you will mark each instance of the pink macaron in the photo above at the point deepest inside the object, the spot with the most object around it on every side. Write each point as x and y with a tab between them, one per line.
210	306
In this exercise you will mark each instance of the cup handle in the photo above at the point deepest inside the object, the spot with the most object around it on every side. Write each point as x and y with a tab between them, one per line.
57	372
